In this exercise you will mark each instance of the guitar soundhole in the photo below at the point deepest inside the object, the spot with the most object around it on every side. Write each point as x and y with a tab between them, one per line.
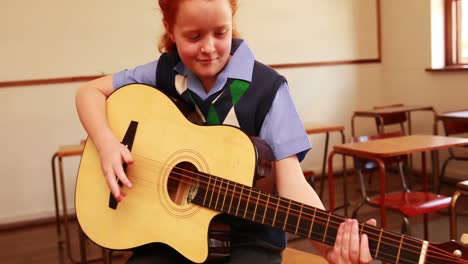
181	182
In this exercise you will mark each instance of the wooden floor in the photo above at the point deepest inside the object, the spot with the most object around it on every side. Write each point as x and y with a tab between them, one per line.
39	244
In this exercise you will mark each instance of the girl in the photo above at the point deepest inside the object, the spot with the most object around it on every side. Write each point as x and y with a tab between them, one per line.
205	65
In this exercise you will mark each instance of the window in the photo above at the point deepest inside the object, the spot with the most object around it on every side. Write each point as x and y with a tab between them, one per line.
456	32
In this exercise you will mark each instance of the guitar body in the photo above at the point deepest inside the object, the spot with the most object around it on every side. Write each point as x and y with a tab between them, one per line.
155	209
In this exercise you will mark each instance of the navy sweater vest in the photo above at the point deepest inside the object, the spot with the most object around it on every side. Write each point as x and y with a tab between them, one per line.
250	110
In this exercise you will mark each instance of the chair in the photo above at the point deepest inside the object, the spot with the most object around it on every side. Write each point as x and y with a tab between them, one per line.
405	201
388	120
461	189
63	218
392	119
367	166
453	128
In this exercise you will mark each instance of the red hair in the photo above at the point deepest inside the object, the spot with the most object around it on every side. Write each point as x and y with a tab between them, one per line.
169	11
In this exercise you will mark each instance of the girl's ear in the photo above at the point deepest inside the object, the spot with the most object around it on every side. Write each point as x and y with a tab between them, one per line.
168	30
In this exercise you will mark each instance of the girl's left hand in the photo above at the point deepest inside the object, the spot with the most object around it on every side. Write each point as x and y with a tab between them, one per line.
349	247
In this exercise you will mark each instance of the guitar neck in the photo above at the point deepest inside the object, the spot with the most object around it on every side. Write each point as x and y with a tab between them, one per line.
296	218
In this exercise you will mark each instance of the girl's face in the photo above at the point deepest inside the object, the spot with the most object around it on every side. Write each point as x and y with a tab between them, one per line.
203	33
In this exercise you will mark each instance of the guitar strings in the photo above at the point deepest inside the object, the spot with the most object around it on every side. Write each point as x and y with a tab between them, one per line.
191	182
381	254
184	176
439	254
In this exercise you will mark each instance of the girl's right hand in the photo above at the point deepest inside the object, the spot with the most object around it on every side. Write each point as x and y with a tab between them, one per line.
112	156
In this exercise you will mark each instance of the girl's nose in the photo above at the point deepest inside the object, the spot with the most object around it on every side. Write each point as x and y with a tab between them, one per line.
208	46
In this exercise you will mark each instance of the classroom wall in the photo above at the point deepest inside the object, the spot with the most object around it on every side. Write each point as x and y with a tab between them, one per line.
38	119
407	29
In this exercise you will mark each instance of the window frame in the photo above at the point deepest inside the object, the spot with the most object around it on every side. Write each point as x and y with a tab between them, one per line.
453	29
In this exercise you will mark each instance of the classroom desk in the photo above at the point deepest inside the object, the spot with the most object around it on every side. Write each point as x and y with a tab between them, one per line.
63	218
316	128
459	116
377	113
379	149
456	116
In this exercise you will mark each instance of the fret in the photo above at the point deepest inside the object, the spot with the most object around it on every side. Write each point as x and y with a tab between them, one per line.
271	212
256	206
399	250
333	224
233	198
281	215
225	195
217	190
266	209
319	224
240	199
251	205
374	235
287	214
326	229
293	217
410	252
299	219
311	224
276	212
207	191
388	248
247	204
378	243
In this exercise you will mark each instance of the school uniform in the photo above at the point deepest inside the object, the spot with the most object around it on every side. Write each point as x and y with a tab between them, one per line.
246	94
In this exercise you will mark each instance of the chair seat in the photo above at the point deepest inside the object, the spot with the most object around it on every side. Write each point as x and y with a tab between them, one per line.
463	185
413	203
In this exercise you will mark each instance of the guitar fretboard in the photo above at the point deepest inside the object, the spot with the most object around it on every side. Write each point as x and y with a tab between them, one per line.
306	221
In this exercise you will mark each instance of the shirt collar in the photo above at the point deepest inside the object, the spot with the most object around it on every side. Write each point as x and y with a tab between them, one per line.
240	66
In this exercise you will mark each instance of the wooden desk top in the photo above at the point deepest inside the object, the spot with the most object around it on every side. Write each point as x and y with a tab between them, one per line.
458	116
393	110
316	128
395	146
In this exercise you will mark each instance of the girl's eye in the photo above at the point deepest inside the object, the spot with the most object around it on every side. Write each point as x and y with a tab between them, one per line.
220	33
193	36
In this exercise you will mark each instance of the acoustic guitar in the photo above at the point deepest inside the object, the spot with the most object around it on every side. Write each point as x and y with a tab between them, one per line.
185	174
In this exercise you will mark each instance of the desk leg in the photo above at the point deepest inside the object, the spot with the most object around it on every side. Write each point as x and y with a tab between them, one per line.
408	116
383	209
424	173
322	180
324	164
331	192
65	211
345	177
54	182
82	239
435	171
453	215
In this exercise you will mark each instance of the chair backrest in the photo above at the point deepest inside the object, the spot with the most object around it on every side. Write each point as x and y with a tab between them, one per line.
453	127
391	119
362	164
